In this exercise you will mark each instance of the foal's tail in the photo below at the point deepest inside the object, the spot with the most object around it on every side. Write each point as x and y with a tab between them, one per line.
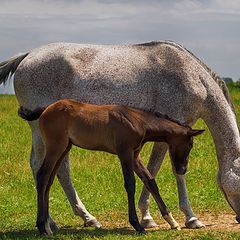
30	115
8	68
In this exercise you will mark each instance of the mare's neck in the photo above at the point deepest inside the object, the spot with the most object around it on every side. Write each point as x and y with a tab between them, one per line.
222	124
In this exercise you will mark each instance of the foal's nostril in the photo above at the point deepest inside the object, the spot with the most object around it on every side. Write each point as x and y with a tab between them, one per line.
238	218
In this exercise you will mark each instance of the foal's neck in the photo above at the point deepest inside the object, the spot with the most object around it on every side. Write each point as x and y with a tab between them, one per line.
159	129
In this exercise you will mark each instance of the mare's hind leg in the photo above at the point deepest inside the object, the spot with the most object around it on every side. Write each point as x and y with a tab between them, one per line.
79	209
152	187
158	152
36	159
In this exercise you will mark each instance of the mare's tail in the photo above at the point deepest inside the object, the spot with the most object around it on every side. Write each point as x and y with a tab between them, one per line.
8	68
30	115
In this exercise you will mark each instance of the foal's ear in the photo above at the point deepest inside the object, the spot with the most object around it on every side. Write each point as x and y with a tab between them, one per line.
195	132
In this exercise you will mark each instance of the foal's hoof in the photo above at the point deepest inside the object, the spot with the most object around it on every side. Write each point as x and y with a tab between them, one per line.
44	229
177	227
142	232
194	223
238	219
148	223
93	223
53	225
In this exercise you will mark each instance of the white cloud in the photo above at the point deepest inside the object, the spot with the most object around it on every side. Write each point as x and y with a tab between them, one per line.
210	28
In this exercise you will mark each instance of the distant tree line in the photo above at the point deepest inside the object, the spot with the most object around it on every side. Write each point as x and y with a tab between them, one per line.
231	83
229	80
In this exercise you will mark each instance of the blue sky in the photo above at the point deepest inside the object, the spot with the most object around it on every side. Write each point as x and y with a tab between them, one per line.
209	28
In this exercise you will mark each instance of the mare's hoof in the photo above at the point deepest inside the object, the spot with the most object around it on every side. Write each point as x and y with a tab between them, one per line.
194	223
148	223
238	219
93	223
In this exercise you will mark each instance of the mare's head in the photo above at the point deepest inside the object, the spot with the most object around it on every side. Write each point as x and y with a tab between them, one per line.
180	146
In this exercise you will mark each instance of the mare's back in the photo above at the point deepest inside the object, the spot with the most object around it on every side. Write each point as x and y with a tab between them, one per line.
137	75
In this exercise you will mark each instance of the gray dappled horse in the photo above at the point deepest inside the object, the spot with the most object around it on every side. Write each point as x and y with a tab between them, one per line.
157	76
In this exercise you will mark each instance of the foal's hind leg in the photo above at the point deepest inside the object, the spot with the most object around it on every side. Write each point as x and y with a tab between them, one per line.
52	176
45	177
36	159
152	187
158	152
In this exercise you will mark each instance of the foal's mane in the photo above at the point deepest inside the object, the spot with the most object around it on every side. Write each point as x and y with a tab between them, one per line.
165	116
161	115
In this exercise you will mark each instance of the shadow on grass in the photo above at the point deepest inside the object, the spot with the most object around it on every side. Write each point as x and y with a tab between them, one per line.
78	233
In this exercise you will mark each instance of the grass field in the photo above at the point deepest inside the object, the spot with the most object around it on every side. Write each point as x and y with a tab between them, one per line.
98	180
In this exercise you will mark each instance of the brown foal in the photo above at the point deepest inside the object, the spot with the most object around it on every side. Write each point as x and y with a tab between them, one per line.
115	129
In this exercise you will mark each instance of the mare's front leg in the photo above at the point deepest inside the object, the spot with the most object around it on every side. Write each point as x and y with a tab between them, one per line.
152	187
155	162
184	204
126	157
36	159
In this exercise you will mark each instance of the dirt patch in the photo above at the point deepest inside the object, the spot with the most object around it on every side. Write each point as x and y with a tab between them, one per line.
213	221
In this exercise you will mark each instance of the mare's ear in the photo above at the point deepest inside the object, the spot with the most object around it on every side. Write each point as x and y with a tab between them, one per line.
195	132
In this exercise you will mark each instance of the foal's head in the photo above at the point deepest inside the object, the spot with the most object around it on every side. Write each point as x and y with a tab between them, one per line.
179	149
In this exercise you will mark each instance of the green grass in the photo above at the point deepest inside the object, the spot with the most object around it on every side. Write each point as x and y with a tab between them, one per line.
98	180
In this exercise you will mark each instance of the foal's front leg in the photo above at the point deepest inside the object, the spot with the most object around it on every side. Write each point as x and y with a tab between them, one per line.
152	187
157	156
126	158
158	152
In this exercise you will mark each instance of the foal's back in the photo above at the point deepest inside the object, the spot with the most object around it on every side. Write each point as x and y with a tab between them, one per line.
94	127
